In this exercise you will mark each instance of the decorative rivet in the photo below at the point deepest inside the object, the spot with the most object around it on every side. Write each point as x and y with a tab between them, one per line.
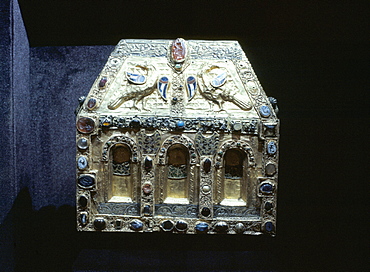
206	188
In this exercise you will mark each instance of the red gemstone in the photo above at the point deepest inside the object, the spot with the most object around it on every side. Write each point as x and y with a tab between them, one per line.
147	189
178	50
91	103
102	82
85	125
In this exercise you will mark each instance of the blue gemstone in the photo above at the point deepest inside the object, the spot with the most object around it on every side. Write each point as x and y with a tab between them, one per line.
86	181
266	188
265	111
136	225
146	210
180	124
181	225
269	226
271	148
201	227
83	219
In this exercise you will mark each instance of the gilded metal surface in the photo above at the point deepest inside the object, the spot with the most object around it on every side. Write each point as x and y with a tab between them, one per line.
177	136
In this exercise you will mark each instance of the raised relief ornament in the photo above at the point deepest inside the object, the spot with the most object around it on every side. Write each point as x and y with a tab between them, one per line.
177	136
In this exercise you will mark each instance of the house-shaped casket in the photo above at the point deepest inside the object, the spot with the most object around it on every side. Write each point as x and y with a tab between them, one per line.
177	136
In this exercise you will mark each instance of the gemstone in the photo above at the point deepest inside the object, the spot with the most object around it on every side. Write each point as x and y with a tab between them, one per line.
265	111
167	225
201	227
146	210
268	206
180	124
102	82
82	162
82	143
174	100
178	50
237	126
147	189
206	188
220	79
206	211
99	224
86	181
136	225
135	123
91	103
83	219
270	169
221	227
85	125
148	163
207	165
118	224
269	226
239	228
82	201
266	188
181	225
106	122
271	148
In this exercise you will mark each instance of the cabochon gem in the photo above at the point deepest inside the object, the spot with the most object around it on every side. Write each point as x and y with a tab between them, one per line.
99	224
136	225
85	125
82	143
201	227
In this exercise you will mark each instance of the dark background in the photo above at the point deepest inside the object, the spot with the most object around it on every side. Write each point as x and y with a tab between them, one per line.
313	56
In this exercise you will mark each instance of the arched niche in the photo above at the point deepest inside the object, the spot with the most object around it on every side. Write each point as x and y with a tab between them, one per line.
177	171
120	170
236	166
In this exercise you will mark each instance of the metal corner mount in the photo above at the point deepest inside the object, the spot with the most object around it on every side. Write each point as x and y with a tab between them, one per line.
177	136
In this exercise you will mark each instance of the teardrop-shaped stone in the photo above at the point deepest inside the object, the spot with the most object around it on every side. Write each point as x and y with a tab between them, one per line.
207	165
91	103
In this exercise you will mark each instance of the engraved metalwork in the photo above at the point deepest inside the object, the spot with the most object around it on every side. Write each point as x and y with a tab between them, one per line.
177	136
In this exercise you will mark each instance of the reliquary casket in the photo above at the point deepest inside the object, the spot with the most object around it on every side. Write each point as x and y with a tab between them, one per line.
177	136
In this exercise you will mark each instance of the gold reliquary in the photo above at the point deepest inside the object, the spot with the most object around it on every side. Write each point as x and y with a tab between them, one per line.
177	136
